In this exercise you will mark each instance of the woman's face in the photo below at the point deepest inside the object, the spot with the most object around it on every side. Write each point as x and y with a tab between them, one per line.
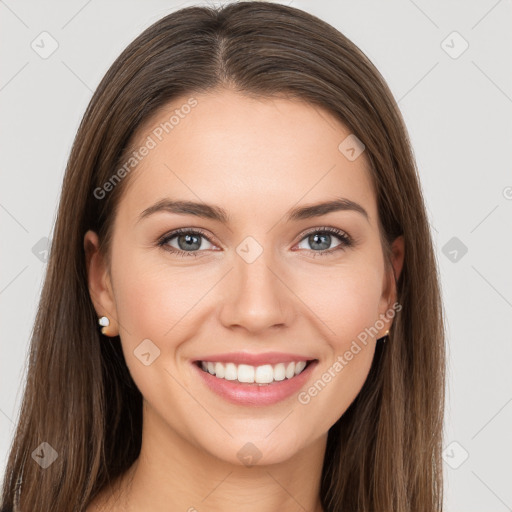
262	279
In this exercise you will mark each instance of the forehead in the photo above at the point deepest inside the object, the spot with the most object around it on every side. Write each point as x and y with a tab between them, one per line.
259	156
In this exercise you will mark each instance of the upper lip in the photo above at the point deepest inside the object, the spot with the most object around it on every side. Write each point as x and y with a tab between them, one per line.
255	359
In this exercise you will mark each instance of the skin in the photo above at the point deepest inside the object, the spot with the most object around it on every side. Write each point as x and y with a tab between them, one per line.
256	159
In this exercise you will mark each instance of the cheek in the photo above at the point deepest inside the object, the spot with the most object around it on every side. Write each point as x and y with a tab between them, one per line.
348	304
346	299
152	304
150	300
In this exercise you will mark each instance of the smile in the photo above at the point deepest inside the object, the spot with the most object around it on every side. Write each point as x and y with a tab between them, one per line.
247	374
255	384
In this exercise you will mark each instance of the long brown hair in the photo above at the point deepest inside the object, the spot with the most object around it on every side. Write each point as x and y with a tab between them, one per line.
384	453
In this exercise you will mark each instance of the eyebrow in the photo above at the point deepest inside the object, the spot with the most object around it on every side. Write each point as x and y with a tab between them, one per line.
208	211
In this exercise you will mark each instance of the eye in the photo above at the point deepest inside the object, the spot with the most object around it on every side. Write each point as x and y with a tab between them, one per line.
188	240
321	238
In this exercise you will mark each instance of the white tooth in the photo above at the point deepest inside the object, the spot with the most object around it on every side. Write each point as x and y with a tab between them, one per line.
279	372
290	370
230	372
245	373
264	374
219	370
299	367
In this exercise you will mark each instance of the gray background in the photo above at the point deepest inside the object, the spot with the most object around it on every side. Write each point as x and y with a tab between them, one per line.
458	112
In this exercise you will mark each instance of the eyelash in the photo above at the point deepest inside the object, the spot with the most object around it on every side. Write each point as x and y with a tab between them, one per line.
346	240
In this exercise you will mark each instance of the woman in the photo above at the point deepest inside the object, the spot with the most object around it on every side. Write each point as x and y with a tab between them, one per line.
195	348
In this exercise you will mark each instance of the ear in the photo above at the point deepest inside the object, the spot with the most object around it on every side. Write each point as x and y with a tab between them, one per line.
99	282
397	258
389	293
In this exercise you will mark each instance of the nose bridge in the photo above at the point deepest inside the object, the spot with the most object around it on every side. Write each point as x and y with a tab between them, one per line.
258	298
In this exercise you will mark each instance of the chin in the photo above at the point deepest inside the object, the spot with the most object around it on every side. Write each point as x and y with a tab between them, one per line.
262	450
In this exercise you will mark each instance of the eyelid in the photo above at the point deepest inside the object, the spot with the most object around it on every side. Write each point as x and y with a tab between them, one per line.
326	229
179	231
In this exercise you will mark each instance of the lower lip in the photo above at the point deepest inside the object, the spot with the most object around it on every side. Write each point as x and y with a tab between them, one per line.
253	394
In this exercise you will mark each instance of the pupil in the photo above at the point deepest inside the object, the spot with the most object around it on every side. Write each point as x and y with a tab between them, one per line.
189	242
314	240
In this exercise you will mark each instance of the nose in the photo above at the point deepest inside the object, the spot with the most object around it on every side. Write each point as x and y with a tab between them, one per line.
258	297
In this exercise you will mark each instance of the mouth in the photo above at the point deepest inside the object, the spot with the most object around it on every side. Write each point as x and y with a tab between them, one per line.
258	384
262	375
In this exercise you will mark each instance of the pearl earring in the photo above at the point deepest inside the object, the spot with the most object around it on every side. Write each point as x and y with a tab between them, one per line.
104	322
